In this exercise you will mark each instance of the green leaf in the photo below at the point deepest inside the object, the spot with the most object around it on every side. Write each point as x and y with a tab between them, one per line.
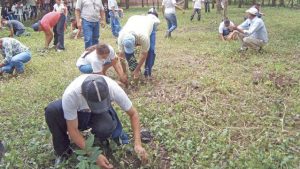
80	152
89	142
93	166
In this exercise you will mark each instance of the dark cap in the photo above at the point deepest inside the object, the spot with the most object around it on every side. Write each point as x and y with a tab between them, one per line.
36	26
95	91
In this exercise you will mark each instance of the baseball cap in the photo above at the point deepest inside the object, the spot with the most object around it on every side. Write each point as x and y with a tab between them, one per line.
252	11
129	43
153	11
36	26
95	91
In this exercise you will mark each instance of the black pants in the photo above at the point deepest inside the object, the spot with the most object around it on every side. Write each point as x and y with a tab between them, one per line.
58	127
59	30
207	8
198	11
33	12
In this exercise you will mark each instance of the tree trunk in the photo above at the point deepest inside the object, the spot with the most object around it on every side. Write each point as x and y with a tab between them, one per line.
186	4
225	8
281	3
253	2
240	3
213	4
263	3
273	2
142	3
127	4
219	7
157	2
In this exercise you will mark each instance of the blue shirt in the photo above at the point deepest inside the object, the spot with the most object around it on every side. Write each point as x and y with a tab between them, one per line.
255	28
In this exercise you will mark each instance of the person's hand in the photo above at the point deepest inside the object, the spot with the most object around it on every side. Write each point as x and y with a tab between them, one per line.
102	23
79	26
75	37
136	74
142	153
1	64
124	80
103	162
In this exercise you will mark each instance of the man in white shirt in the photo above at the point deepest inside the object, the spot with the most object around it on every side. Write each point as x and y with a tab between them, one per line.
136	32
168	9
225	31
197	9
114	17
88	14
86	103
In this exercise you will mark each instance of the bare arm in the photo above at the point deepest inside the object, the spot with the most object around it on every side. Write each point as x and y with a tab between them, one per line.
140	64
11	32
78	19
222	37
48	38
118	68
75	134
135	125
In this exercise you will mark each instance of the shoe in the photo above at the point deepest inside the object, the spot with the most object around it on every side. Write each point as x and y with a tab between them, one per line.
59	50
243	49
62	158
168	34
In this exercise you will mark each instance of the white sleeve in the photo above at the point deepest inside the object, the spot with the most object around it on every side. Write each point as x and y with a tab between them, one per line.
174	2
69	105
95	63
118	95
221	27
78	4
101	6
112	53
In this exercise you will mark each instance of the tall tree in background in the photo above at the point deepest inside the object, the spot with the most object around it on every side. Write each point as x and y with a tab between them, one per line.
142	3
186	4
240	3
127	4
273	2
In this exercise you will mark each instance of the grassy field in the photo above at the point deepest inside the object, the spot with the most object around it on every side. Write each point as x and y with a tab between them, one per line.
208	107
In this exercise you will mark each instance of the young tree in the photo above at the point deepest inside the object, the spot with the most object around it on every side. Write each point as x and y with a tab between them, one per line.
186	4
127	4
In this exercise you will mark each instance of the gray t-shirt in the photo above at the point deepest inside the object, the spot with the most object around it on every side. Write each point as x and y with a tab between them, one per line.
16	25
73	101
90	9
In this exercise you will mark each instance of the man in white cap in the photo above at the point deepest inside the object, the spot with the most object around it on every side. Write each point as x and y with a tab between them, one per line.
86	103
137	32
252	32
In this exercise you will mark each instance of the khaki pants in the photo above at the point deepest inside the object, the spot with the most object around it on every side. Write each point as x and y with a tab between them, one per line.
249	42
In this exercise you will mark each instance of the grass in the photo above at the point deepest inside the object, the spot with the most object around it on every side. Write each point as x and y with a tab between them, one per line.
203	109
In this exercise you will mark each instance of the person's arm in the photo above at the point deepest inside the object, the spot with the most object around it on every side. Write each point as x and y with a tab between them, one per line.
78	139
123	62
11	32
137	70
48	37
102	17
8	53
253	28
222	37
135	125
118	68
78	13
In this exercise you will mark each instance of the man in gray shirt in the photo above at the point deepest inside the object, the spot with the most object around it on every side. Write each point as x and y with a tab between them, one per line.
15	27
90	12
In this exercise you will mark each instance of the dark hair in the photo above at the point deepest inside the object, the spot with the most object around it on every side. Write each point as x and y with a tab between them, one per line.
72	19
226	21
102	48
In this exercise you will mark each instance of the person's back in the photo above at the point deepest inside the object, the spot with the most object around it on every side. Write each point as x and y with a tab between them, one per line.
256	28
169	6
16	25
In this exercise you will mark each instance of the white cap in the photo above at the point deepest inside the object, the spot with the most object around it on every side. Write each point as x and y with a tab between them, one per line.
252	11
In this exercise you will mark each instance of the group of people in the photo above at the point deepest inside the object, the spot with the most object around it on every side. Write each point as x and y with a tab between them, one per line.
86	102
252	33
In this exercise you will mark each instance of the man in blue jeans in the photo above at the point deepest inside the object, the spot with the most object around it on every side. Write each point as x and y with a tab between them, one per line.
114	17
88	12
86	103
139	30
15	55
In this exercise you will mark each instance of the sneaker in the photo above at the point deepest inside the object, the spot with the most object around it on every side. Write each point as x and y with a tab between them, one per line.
59	50
168	34
62	158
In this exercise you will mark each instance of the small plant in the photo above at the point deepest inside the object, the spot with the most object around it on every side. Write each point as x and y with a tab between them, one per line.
88	156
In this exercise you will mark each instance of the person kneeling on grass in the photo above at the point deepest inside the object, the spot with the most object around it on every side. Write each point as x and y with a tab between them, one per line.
86	103
15	27
98	58
252	32
76	32
139	30
15	55
225	32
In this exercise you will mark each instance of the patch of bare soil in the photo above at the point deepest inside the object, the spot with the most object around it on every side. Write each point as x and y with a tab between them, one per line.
280	81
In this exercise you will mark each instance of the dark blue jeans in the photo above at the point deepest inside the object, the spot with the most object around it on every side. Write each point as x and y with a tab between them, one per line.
59	30
171	21
151	54
115	24
90	33
56	122
17	62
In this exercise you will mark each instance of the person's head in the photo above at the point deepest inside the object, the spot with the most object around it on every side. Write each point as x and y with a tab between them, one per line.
252	12
153	11
4	21
257	6
129	43
73	20
36	26
227	22
7	4
102	50
95	91
58	2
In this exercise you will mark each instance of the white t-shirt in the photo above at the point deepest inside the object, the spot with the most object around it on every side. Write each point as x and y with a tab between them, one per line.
141	26
93	60
222	26
59	8
169	6
197	4
73	101
112	3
